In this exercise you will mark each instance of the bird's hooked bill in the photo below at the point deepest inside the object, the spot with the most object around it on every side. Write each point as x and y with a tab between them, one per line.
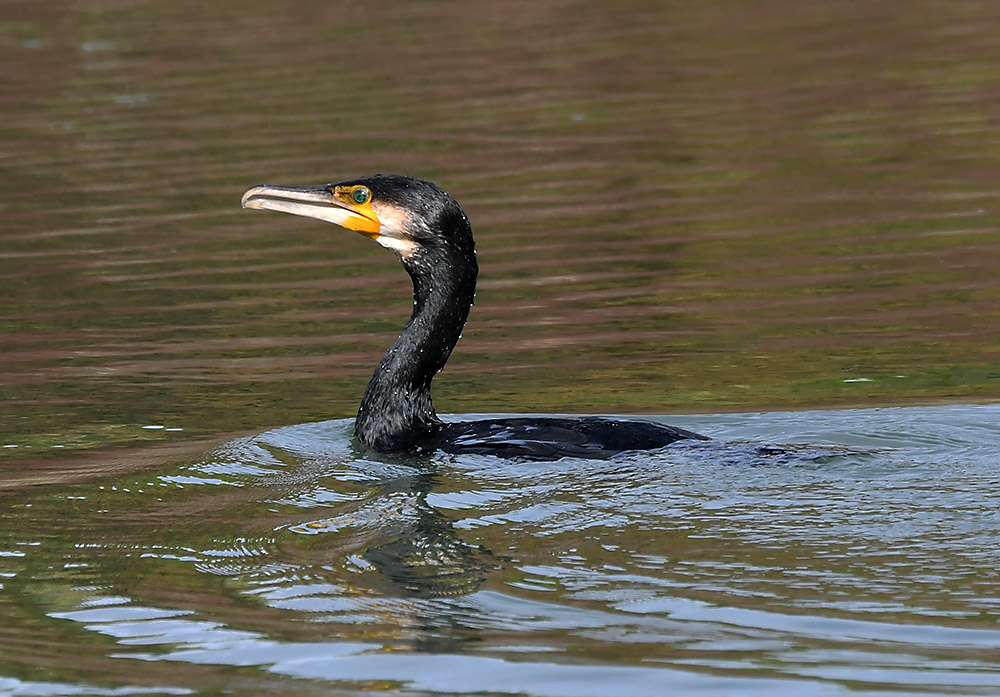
329	203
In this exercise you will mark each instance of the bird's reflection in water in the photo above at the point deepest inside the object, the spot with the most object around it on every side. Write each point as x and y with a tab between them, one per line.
411	555
410	544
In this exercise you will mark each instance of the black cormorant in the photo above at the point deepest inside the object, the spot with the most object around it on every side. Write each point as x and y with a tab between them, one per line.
432	236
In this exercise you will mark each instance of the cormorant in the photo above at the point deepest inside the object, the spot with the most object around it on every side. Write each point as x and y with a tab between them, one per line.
432	236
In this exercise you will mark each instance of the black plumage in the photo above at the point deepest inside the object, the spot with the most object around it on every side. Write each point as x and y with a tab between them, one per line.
432	236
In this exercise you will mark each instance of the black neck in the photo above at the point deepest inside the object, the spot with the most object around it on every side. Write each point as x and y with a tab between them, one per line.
396	411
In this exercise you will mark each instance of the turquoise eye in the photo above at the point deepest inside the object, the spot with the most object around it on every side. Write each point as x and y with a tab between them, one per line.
361	195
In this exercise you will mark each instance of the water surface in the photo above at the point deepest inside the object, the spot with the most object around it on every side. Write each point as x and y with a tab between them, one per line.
678	208
289	562
769	209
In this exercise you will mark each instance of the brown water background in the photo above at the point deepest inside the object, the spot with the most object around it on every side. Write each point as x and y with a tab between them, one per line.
679	207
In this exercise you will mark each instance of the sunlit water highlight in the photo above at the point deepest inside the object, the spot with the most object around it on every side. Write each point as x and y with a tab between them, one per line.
288	556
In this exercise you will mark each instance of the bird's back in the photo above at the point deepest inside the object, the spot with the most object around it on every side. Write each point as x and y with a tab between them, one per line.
550	438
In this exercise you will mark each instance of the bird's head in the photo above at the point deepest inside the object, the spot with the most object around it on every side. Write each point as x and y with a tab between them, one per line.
413	217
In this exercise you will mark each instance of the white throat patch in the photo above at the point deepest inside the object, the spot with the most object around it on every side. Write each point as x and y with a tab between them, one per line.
403	247
393	229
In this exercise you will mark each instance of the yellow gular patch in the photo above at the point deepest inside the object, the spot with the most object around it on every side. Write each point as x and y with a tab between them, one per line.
358	200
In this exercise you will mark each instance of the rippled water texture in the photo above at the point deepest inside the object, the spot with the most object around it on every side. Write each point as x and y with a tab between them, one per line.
288	563
679	207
